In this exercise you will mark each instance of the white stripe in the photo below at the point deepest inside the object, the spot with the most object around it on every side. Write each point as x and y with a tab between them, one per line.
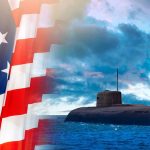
40	63
16	34
35	109
13	128
28	26
21	74
31	121
20	77
14	4
46	18
1	102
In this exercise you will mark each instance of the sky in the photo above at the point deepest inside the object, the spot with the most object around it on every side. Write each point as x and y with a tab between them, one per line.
96	38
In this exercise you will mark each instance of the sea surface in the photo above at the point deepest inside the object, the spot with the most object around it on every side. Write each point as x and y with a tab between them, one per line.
82	136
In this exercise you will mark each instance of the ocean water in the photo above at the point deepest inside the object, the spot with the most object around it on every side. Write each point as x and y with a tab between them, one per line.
82	136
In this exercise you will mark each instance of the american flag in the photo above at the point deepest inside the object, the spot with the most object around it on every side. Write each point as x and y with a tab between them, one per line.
26	29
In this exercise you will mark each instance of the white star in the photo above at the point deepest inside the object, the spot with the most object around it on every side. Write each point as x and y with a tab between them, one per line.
3	38
7	69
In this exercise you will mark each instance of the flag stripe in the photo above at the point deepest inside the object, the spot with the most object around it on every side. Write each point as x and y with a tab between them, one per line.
43	20
26	48
21	98
31	139
26	28
27	144
14	4
11	125
21	74
20	77
1	101
17	13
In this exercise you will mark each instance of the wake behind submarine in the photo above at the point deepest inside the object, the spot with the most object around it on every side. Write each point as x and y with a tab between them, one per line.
110	110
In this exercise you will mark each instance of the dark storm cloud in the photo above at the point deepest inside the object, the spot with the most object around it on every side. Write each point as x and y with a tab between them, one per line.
132	34
124	46
96	39
78	41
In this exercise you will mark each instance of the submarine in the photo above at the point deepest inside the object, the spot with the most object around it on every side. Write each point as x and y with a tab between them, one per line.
109	109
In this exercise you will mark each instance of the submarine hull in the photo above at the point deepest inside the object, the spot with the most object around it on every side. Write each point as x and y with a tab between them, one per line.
118	114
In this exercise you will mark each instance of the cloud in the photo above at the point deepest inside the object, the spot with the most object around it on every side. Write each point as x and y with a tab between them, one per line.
78	41
89	55
132	12
107	10
140	90
133	34
99	37
60	107
83	43
67	10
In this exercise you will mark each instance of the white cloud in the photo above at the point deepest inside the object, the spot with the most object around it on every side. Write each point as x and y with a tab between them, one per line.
109	10
116	12
140	90
60	107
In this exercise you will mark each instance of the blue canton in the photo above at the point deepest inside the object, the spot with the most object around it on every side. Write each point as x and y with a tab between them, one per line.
7	35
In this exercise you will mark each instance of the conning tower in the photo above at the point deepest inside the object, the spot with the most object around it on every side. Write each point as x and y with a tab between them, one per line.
109	98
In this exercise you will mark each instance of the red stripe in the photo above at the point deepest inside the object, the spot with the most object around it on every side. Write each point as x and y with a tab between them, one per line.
32	138
45	38
18	100
23	52
29	7
44	132
39	86
25	49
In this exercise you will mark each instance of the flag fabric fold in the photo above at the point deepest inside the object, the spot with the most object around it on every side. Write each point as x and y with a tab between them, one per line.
25	42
